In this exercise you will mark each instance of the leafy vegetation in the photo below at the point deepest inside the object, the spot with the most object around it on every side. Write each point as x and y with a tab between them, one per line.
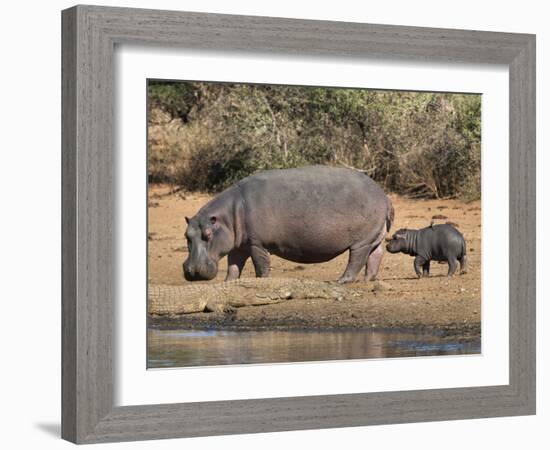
206	136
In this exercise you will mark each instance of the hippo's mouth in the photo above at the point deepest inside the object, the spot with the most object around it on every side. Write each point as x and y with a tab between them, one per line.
202	273
199	276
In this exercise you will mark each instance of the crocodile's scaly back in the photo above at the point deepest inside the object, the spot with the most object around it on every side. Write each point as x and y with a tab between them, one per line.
193	298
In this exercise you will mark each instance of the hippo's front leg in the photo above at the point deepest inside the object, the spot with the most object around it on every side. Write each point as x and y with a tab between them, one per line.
261	261
419	262
236	259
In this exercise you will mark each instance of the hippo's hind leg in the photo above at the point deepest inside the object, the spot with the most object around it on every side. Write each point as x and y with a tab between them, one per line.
419	262
357	260
261	261
373	263
236	259
463	265
453	264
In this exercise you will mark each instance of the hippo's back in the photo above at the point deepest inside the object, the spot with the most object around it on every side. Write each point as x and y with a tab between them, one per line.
441	242
312	185
312	210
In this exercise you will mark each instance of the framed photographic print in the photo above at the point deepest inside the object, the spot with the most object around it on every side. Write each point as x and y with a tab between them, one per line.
278	224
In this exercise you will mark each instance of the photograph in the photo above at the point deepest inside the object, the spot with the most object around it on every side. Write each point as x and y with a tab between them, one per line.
305	223
267	225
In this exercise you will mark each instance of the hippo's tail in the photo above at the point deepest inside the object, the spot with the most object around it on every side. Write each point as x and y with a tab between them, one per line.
390	215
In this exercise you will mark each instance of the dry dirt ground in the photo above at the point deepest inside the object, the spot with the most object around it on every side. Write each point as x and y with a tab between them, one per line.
449	305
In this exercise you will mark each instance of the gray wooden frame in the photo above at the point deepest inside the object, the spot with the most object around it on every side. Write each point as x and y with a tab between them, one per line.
89	36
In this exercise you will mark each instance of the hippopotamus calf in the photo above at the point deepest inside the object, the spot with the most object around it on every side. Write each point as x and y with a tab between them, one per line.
306	215
433	243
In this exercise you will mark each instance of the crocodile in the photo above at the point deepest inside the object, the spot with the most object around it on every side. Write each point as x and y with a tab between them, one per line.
167	300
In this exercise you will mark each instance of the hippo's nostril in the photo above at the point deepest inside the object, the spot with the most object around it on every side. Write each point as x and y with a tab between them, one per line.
189	276
188	271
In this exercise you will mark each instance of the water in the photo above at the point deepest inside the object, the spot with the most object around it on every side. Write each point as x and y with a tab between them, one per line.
184	348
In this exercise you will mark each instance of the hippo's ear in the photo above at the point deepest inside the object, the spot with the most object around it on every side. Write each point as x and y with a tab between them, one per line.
187	220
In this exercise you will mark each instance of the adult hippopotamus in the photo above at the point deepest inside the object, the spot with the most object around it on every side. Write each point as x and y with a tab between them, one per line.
434	243
306	215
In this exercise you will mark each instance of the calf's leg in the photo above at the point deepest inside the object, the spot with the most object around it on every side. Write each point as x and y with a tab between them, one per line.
419	262
463	265
426	269
453	264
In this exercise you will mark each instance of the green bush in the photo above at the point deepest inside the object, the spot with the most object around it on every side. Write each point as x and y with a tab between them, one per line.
206	136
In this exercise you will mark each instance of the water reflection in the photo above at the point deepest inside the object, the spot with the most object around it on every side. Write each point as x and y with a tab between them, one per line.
180	348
